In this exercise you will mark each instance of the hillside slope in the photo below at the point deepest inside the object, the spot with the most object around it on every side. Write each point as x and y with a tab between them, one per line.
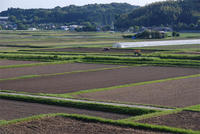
180	14
102	14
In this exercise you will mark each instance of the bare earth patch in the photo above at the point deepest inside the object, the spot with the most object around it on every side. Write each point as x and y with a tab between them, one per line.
10	110
49	69
63	125
175	93
14	62
184	119
91	80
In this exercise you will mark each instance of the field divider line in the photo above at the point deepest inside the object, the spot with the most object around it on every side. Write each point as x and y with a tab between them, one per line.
33	64
87	101
55	74
132	84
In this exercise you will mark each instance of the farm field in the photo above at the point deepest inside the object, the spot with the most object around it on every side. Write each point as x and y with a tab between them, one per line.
16	109
14	62
90	80
183	119
58	82
50	69
173	93
62	125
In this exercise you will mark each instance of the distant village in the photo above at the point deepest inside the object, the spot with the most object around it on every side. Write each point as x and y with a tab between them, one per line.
5	24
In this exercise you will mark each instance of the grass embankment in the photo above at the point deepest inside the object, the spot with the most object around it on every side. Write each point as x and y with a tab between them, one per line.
84	118
83	105
193	108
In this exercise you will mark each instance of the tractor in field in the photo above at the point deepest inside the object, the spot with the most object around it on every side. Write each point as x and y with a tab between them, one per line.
137	53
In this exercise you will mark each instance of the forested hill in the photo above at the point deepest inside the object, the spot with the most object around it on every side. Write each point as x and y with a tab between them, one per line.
180	14
102	14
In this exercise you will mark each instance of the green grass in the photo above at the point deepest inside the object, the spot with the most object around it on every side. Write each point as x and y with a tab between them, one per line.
193	108
84	118
175	56
83	105
141	60
151	115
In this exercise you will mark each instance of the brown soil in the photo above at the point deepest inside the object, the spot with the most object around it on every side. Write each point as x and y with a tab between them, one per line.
196	53
184	119
14	62
90	80
63	125
10	110
176	93
49	69
97	50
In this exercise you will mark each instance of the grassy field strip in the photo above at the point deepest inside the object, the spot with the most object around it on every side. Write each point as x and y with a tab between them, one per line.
54	74
157	54
193	108
156	61
130	85
134	125
34	64
49	98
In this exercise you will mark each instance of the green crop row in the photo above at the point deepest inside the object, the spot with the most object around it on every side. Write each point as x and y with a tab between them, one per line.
141	60
175	56
156	61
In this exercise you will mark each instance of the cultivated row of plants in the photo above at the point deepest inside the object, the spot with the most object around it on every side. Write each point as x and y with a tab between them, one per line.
158	60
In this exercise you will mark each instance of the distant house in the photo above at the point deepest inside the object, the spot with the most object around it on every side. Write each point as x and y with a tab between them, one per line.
162	29
4	18
32	29
65	28
74	27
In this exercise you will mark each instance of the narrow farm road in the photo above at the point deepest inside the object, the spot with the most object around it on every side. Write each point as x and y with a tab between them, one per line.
88	101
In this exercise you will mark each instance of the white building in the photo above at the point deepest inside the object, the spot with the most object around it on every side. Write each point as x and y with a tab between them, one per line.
32	29
65	28
73	27
156	43
4	18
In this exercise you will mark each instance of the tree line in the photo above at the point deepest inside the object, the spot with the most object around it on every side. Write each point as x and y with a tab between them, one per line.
178	14
96	14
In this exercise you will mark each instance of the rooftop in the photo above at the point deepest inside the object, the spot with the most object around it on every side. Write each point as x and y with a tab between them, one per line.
4	18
